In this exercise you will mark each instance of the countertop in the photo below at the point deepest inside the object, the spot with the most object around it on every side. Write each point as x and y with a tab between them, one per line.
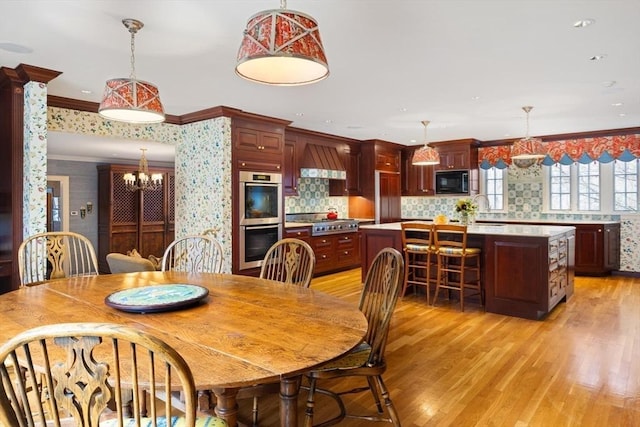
490	228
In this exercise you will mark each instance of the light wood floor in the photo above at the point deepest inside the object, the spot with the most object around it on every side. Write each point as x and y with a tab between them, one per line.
578	367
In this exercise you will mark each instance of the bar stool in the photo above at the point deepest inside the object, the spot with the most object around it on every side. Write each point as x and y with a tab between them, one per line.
420	263
458	265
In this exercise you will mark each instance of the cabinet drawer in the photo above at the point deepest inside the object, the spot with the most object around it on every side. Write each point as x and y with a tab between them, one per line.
386	161
302	233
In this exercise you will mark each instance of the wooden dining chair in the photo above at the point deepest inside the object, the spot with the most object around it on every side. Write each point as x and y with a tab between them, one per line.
193	254
290	261
458	264
378	300
88	368
54	255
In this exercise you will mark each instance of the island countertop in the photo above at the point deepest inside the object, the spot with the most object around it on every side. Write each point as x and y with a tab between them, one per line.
500	229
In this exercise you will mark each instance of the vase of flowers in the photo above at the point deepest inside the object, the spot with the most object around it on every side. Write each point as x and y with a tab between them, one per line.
466	211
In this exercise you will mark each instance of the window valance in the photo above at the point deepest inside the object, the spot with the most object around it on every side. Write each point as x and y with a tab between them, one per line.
602	149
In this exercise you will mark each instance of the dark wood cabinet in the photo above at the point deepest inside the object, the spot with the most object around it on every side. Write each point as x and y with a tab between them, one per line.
291	169
141	220
389	203
350	156
336	252
416	180
302	233
597	248
457	154
257	146
387	160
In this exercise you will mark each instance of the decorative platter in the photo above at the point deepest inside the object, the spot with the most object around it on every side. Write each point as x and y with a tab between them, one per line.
156	298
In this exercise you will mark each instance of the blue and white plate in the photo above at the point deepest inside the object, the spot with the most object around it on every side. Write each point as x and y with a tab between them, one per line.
156	298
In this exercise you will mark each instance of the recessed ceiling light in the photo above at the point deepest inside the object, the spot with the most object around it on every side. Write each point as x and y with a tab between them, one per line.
617	104
597	57
328	121
609	83
299	114
403	109
15	48
475	98
622	115
413	141
584	23
86	91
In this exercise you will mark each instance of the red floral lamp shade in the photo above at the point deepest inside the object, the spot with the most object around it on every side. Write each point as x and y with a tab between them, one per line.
427	155
283	48
129	99
133	101
527	148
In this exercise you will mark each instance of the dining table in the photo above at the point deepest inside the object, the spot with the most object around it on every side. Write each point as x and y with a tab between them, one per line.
243	331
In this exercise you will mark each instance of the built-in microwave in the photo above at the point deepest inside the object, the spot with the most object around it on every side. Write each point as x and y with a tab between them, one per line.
452	182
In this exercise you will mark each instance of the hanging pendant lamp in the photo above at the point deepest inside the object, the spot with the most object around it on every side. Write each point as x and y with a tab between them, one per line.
427	155
131	100
527	151
282	47
142	179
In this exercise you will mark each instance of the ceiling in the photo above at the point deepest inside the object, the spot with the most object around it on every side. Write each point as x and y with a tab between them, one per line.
468	66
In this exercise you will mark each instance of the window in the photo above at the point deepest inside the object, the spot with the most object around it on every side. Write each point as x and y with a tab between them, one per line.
588	186
593	187
560	187
494	188
625	186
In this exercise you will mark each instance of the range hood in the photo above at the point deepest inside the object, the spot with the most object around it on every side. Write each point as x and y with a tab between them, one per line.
321	161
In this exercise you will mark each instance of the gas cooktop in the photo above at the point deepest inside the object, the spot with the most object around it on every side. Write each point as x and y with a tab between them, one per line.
321	225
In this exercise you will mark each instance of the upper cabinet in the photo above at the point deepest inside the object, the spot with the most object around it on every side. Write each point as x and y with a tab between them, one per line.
416	180
457	154
291	169
350	156
387	159
257	145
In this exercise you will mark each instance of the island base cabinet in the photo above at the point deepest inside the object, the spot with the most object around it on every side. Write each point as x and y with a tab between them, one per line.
526	277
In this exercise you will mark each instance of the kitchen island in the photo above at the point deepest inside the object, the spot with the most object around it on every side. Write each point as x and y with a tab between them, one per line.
526	269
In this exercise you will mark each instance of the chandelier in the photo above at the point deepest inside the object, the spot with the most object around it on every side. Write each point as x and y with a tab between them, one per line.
142	179
427	155
131	100
282	47
527	151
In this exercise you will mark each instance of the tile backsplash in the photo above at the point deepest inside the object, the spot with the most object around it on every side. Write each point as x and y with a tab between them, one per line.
314	198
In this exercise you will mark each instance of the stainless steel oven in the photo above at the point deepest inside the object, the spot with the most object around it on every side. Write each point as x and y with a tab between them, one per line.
260	198
261	220
255	241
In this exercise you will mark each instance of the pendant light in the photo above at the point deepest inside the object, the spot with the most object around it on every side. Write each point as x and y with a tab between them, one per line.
427	155
129	99
282	47
142	179
527	151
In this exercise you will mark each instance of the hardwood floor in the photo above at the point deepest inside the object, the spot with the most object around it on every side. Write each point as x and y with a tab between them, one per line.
578	367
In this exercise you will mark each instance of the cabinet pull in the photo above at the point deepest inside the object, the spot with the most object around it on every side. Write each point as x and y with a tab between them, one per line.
346	252
299	233
324	257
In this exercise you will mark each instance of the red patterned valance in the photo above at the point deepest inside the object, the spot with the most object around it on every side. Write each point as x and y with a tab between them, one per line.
604	149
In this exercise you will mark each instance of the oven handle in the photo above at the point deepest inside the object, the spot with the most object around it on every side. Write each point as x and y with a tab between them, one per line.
260	184
260	227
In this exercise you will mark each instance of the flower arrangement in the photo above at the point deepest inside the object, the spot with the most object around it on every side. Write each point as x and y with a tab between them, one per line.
466	209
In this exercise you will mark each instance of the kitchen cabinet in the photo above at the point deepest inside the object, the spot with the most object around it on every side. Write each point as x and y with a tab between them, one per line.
141	220
257	146
457	154
291	169
416	180
350	156
336	252
302	233
389	202
379	172
597	248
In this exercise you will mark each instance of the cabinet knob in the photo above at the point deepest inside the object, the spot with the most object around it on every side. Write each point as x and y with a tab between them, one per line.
599	230
278	167
299	233
346	252
324	256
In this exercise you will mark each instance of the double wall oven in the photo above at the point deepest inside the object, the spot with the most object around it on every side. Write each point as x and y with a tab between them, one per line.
260	199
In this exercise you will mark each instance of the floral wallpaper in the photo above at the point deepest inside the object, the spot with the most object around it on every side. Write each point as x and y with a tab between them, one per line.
35	159
85	123
203	182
